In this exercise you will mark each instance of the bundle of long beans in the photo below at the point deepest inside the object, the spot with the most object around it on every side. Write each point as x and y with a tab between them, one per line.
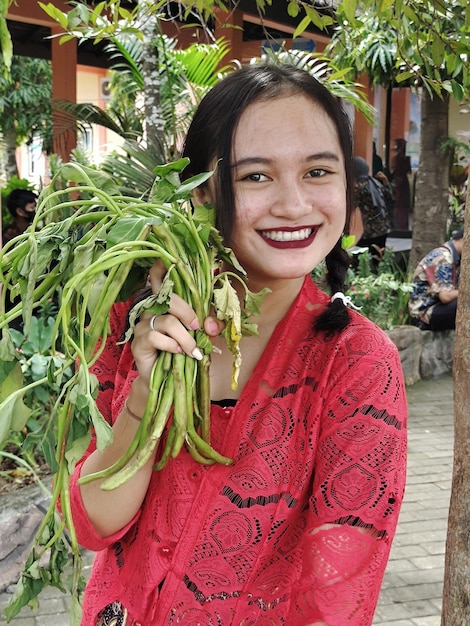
86	262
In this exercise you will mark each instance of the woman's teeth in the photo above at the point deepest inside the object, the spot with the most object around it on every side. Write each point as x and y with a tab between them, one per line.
287	235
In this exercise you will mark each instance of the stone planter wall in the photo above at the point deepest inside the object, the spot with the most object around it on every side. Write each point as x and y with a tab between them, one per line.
424	354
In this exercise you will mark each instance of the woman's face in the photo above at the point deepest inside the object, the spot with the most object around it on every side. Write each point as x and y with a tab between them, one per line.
290	189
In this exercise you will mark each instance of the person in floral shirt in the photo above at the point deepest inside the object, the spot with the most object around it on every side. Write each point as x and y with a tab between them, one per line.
433	301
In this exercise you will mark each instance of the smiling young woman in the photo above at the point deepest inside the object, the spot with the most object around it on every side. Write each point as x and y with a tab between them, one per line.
298	530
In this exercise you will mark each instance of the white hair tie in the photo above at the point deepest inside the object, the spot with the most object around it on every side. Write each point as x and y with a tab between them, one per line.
346	300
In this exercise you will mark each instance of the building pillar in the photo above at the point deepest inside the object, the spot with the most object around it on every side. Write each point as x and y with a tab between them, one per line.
400	118
230	27
363	129
64	87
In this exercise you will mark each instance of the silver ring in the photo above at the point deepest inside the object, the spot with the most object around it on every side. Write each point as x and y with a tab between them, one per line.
152	320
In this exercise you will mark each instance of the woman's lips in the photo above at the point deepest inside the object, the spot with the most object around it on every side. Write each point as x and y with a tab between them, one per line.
289	237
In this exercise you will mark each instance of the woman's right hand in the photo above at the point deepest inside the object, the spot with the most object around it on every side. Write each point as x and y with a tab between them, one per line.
109	511
169	332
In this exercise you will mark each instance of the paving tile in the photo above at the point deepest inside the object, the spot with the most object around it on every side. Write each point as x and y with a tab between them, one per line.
403	610
412	589
432	620
432	561
410	577
400	622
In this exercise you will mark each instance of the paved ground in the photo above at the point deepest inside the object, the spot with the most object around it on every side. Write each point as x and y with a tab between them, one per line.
412	589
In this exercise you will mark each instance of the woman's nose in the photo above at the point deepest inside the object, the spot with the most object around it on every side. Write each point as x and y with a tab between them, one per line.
293	199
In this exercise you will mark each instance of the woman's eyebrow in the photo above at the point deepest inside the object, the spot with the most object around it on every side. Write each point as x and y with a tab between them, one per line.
325	155
251	161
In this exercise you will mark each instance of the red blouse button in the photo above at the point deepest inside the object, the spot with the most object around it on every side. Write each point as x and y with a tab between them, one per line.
195	475
166	551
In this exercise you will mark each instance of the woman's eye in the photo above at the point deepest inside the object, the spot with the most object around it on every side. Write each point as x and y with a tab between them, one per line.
256	178
316	173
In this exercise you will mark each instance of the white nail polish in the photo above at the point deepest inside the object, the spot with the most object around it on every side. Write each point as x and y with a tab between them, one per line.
197	354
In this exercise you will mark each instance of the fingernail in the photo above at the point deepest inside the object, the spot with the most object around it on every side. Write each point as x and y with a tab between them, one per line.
194	324
197	354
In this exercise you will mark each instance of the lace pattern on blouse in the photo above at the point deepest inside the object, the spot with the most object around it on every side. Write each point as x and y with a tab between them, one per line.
299	529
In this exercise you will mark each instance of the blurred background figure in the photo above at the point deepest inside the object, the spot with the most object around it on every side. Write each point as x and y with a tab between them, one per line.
22	205
377	163
400	168
373	197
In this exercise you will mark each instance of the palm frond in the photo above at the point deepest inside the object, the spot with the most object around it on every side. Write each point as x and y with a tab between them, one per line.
126	54
336	79
201	62
85	114
132	167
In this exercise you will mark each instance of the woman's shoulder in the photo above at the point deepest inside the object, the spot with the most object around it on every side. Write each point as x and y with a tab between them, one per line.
118	317
362	336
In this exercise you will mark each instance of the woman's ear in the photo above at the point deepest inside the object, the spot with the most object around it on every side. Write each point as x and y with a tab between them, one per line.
202	195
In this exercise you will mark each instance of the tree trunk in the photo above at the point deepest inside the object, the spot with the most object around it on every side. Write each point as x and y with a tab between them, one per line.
456	596
154	125
9	159
3	151
431	208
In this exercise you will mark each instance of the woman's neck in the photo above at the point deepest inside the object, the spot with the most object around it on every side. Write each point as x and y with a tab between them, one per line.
277	301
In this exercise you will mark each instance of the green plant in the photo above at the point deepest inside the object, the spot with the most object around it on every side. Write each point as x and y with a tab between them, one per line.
382	296
99	254
35	349
457	197
458	154
34	443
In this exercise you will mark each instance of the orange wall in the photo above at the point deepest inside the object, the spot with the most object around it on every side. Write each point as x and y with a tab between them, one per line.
30	12
89	90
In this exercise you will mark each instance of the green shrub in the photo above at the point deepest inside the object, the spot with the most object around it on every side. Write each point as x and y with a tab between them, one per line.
383	296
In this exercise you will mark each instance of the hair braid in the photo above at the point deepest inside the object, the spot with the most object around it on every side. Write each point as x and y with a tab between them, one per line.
336	315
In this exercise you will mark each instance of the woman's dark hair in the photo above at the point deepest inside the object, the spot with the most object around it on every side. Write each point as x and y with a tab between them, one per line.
210	138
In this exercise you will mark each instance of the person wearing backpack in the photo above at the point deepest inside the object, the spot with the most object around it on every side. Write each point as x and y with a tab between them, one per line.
373	197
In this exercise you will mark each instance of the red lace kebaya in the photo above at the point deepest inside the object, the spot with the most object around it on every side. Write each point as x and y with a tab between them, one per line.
299	528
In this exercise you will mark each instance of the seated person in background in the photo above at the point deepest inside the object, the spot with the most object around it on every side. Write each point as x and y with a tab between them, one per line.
433	301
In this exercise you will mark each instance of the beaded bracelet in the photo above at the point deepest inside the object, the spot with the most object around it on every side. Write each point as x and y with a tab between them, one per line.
130	413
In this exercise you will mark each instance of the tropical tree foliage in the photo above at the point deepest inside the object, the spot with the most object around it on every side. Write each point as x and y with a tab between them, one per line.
25	106
423	45
184	75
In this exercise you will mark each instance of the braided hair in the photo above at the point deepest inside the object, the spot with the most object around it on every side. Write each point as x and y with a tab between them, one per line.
336	316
